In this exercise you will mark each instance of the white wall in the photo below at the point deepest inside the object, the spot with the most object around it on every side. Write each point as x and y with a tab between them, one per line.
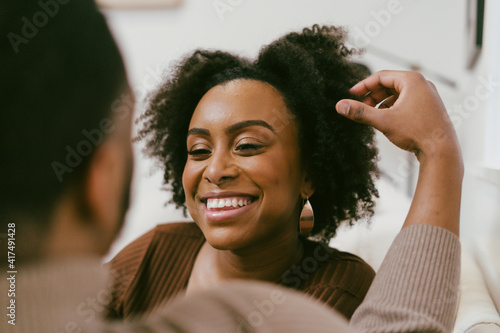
481	194
429	34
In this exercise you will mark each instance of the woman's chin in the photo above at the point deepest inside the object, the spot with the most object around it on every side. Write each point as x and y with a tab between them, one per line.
223	243
225	239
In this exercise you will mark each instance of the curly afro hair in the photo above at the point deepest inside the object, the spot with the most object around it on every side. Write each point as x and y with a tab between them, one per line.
313	72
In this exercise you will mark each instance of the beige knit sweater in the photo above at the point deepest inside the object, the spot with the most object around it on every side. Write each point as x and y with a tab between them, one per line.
416	289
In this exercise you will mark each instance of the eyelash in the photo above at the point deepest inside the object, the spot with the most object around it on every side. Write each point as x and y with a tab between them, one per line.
244	147
248	146
198	152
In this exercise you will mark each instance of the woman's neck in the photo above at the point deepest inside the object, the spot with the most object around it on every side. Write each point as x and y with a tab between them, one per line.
265	262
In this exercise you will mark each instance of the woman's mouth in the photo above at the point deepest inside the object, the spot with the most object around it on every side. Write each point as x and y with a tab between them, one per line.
224	208
227	203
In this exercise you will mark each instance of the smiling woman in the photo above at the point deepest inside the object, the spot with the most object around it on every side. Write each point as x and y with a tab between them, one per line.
239	156
244	145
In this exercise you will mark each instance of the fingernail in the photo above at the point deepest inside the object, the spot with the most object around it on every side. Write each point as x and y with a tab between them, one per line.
344	108
355	86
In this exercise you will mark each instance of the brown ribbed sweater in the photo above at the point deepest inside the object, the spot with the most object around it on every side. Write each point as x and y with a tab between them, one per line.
415	290
156	267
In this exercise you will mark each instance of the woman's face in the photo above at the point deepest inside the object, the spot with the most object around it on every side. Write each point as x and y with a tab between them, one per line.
243	178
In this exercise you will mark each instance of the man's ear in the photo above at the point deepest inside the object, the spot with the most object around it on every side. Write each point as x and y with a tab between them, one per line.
105	188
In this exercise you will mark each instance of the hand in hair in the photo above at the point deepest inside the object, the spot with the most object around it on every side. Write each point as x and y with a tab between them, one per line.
413	117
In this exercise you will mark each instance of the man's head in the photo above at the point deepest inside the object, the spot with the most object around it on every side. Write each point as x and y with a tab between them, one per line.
64	127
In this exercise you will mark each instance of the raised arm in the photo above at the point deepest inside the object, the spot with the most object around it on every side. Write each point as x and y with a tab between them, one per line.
416	288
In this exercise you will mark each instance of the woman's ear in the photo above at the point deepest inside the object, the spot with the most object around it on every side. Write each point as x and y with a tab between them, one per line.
308	187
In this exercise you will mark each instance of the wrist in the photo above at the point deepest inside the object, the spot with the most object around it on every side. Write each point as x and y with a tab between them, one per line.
447	155
438	194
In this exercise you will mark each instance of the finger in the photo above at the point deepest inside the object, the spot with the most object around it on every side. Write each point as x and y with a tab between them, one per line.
388	102
369	100
374	97
359	112
390	81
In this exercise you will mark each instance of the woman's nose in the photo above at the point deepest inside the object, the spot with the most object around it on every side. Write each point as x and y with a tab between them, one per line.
221	168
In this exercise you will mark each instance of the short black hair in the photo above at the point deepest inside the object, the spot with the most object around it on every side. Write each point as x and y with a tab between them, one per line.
313	71
60	70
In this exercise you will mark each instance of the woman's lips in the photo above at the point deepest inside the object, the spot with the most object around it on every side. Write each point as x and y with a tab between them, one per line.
224	208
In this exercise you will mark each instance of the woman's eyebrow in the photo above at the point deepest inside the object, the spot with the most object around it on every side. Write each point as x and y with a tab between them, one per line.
236	127
198	131
233	128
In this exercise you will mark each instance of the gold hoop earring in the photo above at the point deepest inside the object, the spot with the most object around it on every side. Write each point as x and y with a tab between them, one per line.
306	221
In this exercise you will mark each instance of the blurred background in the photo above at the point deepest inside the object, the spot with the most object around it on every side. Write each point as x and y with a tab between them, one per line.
451	42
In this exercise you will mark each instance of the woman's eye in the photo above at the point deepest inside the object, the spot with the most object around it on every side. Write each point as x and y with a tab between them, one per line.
248	147
199	152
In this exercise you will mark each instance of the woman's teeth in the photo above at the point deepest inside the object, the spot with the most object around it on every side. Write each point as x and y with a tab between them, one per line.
227	202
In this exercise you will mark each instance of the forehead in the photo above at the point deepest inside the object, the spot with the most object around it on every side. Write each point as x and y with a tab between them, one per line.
240	100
